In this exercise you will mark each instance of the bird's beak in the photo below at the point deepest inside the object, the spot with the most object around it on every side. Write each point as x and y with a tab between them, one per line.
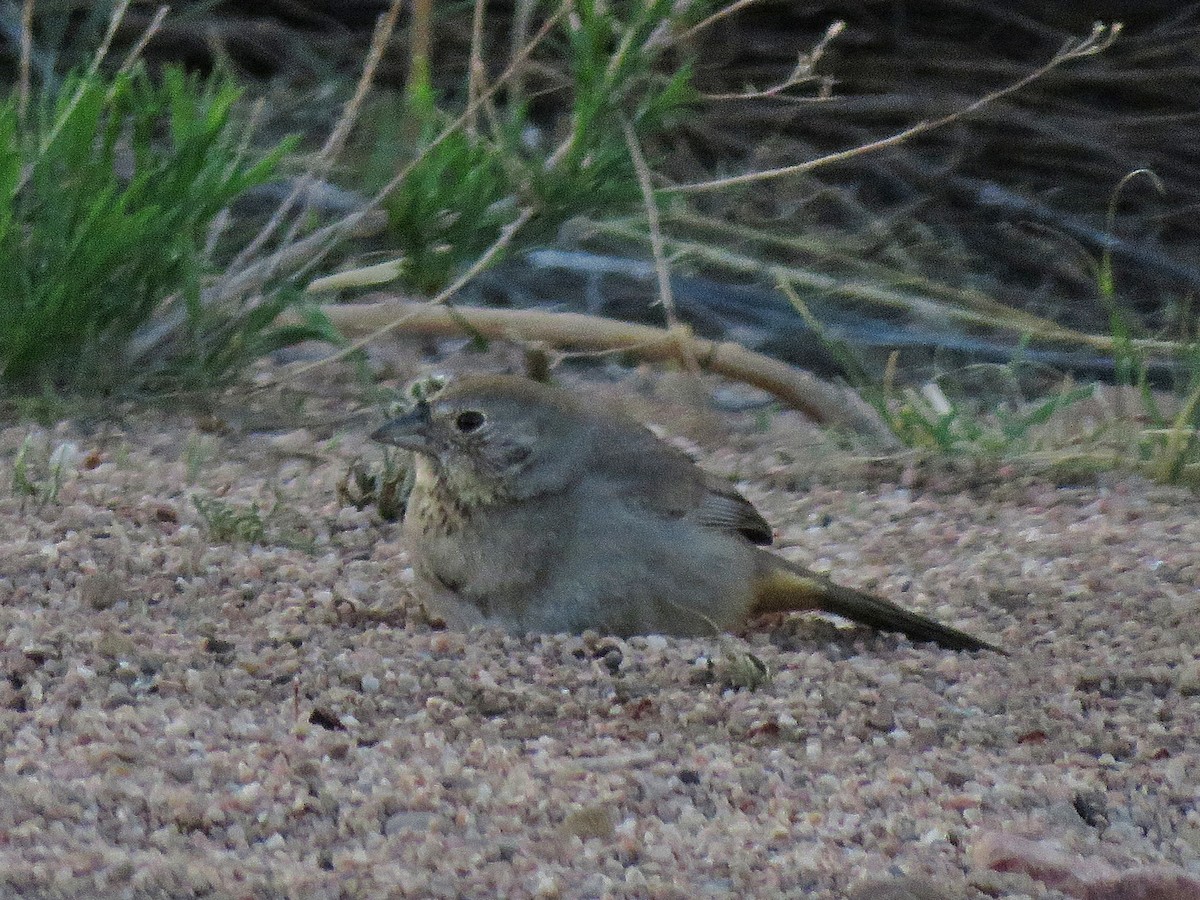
409	431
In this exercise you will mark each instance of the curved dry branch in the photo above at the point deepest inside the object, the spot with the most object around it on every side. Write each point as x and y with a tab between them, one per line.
825	403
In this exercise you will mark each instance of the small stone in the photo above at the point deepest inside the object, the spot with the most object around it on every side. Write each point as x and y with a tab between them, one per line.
612	660
103	590
407	820
903	887
294	443
589	822
547	886
115	646
218	646
1189	679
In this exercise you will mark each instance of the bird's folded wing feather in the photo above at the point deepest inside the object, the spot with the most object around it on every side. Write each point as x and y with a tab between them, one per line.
655	475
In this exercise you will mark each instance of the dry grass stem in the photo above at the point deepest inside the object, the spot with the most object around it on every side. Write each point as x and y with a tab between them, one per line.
476	72
713	19
801	74
334	143
422	40
23	73
98	57
1099	40
968	307
662	268
135	52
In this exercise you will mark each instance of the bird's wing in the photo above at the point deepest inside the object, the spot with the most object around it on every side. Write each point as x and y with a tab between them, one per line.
655	475
723	507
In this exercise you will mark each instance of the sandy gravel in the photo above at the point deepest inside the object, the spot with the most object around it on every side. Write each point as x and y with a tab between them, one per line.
186	717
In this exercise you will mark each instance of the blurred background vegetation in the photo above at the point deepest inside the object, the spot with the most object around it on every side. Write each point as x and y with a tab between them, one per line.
955	276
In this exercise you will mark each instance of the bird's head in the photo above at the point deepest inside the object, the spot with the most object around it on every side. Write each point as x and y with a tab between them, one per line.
496	436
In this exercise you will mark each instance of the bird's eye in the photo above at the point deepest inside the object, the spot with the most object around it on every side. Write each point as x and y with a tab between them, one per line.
469	420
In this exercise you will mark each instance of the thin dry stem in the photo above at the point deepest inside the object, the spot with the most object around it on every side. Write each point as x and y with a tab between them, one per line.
969	307
522	13
801	74
98	57
1099	40
23	74
135	52
422	40
661	266
476	74
336	141
983	311
713	19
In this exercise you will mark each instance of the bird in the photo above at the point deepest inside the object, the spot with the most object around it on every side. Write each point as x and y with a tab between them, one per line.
538	509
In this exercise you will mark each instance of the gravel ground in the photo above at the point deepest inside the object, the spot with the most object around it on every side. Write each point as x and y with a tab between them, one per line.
187	716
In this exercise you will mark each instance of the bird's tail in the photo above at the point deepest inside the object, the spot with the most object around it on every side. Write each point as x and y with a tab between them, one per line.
786	587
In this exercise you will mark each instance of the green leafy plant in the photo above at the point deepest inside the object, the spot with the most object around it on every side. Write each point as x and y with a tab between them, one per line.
386	486
614	66
241	523
1169	448
38	472
467	186
229	522
1167	445
197	452
455	200
927	418
108	192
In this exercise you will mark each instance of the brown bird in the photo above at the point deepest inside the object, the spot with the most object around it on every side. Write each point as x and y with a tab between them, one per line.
539	510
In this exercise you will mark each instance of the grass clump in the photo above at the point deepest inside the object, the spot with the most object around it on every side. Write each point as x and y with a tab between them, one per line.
929	419
229	522
109	190
241	523
468	182
38	473
385	487
1165	445
197	453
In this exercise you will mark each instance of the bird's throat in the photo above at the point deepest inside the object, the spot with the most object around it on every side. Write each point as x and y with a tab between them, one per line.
451	493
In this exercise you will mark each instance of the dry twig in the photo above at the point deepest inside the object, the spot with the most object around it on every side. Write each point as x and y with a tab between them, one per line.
1099	40
825	403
